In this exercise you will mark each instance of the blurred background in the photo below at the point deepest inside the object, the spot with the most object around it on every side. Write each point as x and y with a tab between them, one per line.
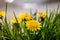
25	5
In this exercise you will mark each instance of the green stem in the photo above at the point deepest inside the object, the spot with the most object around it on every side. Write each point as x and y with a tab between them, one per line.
6	8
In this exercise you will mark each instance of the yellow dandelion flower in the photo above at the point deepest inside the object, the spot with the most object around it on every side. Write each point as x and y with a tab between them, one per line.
15	21
42	15
25	16
33	25
2	13
29	17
